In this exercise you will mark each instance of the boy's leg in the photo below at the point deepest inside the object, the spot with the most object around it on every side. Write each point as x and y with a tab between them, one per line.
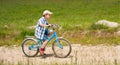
51	32
42	49
44	44
46	39
47	33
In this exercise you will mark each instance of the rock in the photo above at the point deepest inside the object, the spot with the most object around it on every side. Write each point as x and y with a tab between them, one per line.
107	23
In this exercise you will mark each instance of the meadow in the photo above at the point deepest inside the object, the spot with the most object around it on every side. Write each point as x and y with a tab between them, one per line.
75	16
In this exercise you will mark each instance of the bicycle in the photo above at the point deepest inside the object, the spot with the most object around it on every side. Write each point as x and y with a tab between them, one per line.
61	47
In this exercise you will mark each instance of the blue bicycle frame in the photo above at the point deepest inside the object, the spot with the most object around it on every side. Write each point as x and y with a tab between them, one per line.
51	37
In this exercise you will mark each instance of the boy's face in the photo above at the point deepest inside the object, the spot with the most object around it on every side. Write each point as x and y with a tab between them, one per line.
47	16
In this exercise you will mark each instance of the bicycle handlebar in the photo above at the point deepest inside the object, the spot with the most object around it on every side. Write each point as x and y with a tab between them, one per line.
55	26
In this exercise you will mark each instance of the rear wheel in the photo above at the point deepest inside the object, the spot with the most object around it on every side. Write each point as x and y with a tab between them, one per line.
30	47
63	51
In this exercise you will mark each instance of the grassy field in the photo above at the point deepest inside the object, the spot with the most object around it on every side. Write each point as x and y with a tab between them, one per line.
75	16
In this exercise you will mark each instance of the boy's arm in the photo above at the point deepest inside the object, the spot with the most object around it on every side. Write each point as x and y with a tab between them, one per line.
43	25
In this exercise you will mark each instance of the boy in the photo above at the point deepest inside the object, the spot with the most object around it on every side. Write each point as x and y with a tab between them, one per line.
41	32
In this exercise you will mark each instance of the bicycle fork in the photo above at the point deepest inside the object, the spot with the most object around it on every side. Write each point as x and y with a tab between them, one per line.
57	40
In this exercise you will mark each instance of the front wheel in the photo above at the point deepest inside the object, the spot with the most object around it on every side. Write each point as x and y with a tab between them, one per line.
61	48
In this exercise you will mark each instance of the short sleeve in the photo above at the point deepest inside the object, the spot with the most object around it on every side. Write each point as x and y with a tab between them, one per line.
40	21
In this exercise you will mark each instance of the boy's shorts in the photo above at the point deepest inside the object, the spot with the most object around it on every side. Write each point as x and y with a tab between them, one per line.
47	31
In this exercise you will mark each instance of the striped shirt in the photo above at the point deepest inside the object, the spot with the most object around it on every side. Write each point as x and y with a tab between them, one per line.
39	31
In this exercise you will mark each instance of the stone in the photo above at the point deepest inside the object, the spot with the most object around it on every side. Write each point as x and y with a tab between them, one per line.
108	23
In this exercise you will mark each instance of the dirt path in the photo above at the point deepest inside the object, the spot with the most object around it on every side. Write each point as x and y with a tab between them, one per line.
87	55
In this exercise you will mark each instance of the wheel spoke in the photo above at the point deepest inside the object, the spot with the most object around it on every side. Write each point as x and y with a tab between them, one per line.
64	51
28	47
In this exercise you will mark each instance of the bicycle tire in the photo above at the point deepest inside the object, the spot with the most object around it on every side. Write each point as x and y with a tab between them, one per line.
67	50
26	46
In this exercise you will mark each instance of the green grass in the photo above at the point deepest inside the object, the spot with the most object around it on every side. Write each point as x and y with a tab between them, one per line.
17	15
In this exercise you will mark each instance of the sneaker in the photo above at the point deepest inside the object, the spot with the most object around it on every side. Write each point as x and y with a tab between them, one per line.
42	51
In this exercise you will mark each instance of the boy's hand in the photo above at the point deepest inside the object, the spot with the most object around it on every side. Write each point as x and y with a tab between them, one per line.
50	25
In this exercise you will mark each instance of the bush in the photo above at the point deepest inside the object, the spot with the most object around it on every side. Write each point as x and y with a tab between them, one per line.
98	27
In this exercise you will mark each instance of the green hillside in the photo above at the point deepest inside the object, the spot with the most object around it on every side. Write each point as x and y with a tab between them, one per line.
75	17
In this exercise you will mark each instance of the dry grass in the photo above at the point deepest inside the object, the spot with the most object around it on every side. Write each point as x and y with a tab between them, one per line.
98	55
81	55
